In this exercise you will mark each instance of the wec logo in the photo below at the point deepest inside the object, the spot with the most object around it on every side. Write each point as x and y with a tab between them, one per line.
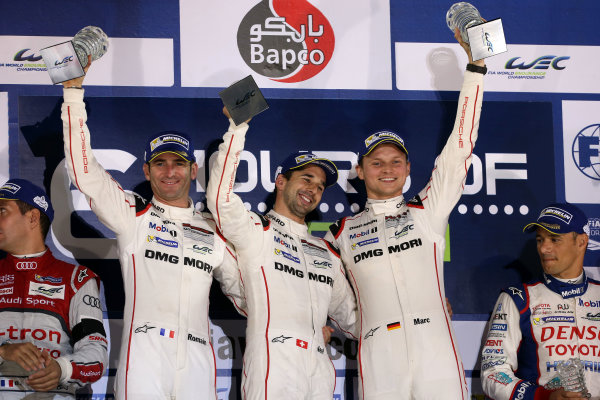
543	62
286	41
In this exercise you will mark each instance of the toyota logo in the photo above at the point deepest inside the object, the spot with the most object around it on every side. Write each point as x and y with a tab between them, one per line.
21	265
91	301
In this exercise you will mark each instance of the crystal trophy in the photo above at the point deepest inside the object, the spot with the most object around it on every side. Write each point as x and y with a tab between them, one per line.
66	61
570	377
485	39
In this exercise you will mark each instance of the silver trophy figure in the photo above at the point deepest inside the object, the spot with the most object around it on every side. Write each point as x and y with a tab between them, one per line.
463	15
91	40
570	377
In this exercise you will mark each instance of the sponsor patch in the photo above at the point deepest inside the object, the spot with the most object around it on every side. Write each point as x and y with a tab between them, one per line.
49	279
314	250
365	242
198	234
287	255
498	327
163	242
5	291
50	291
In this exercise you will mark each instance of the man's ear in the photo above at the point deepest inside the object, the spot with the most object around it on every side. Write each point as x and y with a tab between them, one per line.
194	171
146	169
360	172
280	182
34	218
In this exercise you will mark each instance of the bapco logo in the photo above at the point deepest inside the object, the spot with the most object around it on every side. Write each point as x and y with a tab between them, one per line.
586	151
286	41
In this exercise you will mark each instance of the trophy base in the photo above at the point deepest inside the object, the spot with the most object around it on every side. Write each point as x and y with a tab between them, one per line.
486	39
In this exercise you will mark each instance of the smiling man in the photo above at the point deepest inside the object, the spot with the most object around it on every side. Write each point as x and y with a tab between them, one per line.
169	254
537	325
393	252
292	280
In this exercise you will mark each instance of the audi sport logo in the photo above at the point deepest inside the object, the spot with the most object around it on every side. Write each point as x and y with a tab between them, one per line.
91	301
26	265
286	41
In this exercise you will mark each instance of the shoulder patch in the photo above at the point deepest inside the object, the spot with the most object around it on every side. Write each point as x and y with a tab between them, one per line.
83	274
337	227
415	202
141	205
519	295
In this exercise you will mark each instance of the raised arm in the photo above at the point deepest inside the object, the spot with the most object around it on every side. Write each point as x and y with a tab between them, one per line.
233	220
450	170
114	207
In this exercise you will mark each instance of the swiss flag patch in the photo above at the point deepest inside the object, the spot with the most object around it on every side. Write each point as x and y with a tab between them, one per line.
301	343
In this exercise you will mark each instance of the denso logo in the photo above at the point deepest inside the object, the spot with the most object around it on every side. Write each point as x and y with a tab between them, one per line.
543	62
286	41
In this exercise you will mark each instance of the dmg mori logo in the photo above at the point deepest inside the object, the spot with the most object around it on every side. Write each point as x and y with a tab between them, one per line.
586	151
286	41
26	265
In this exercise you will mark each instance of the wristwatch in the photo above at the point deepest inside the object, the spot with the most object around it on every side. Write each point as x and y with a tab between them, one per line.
477	68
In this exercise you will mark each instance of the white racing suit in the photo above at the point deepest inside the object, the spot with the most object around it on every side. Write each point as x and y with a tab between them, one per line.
535	326
168	257
393	253
292	281
55	306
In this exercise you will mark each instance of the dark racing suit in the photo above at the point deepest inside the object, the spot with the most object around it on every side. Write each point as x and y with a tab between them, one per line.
292	281
533	327
168	257
55	306
393	252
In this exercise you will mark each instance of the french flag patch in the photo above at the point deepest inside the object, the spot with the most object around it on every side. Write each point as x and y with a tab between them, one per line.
7	383
167	332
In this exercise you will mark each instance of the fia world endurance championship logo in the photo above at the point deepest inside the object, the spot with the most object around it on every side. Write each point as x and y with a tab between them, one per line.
286	40
586	151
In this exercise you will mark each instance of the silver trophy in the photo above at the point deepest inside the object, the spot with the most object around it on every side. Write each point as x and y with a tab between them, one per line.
91	40
570	377
463	15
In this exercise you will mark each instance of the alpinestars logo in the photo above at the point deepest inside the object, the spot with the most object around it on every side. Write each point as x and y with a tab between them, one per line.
286	40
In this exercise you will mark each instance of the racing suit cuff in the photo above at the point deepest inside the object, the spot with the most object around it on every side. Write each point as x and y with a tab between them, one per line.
473	77
234	127
66	369
73	95
541	393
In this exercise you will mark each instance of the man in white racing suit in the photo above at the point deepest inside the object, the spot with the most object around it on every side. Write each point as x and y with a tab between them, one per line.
536	326
52	340
393	254
292	280
169	253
